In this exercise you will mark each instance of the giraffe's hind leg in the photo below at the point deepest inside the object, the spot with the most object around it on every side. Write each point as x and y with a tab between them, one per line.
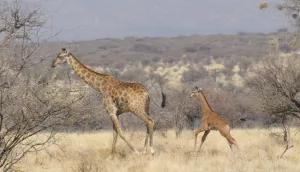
146	145
225	132
232	141
230	144
150	126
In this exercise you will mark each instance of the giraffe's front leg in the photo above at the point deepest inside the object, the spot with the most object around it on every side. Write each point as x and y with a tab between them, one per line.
113	149
116	123
203	139
112	111
202	128
115	137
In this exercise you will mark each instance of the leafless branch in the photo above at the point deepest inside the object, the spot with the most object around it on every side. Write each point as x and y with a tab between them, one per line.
29	108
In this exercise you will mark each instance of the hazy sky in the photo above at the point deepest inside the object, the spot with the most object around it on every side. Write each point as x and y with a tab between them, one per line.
93	19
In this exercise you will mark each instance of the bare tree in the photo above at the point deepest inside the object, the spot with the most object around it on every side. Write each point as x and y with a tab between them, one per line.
292	9
276	83
179	102
30	110
185	111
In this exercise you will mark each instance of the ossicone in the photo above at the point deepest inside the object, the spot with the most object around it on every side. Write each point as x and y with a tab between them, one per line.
63	49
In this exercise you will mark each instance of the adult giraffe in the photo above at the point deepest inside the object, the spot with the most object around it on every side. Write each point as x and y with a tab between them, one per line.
117	97
211	121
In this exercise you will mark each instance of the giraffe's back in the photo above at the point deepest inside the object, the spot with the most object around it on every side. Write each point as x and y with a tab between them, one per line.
131	97
216	121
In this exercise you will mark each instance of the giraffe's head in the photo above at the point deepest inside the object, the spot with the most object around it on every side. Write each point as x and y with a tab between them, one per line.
61	58
195	92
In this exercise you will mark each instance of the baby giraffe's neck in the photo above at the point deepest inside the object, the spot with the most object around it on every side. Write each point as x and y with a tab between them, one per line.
204	104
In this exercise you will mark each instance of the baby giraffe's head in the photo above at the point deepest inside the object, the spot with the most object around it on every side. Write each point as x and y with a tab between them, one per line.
195	92
61	58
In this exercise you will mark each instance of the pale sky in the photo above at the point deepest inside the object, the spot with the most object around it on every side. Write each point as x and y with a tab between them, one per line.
94	19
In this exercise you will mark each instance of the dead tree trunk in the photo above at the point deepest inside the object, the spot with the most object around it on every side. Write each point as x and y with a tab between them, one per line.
178	123
286	135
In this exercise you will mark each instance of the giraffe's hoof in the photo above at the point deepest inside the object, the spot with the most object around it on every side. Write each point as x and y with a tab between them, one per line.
197	151
136	152
110	157
145	151
152	150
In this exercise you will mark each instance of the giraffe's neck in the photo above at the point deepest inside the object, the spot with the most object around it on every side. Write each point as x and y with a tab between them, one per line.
204	104
96	80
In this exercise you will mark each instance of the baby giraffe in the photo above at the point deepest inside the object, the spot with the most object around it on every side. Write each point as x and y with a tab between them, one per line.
211	121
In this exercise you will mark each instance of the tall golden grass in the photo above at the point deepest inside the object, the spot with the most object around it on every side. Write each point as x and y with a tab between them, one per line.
90	151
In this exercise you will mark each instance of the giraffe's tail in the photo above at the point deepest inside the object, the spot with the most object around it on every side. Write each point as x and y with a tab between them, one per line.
241	120
164	99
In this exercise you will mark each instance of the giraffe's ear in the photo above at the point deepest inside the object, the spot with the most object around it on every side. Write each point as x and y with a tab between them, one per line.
64	50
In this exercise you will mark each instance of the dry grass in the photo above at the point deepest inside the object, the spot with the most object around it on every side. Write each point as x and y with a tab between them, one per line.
89	152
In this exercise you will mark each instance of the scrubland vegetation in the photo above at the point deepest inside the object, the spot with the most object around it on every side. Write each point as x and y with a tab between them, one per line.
52	121
80	152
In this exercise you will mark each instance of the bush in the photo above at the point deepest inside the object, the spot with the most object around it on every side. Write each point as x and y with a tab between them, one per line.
275	83
146	48
29	103
193	75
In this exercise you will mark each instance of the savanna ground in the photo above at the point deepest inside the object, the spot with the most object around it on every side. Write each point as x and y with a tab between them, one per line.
80	152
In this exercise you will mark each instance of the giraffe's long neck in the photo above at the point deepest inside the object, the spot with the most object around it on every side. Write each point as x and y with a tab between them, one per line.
204	104
96	80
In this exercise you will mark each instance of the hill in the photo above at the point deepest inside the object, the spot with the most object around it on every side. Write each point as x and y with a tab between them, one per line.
181	59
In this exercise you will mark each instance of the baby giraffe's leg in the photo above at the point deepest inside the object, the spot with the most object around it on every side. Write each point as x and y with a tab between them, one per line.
232	141
195	140
203	139
225	132
230	144
196	132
